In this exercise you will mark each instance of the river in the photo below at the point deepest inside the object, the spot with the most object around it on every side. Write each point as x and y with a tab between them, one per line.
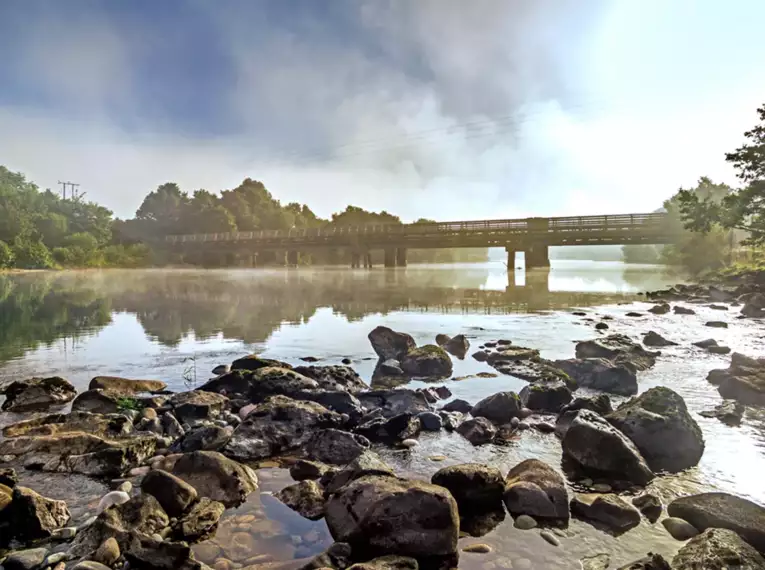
176	325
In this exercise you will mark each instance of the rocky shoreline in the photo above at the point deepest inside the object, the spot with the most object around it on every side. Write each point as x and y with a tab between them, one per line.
176	462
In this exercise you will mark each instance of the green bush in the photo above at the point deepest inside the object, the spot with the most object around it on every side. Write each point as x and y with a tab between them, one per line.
32	255
6	256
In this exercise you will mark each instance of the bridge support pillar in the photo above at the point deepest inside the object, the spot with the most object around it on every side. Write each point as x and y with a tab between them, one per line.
537	256
355	259
293	258
368	260
390	257
401	256
510	260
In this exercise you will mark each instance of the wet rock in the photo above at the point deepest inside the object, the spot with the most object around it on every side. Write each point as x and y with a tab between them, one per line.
600	404
534	488
525	522
277	425
661	309
729	412
480	355
37	394
717	307
197	405
97	402
305	497
303	470
395	402
650	505
512	354
253	362
29	559
550	537
338	555
173	493
410	443
619	349
442	339
457	345
680	310
388	515
221	369
390	367
458	405
716	324
633	314
744	380
203	438
335	446
609	510
601	374
108	553
718	549
650	562
499	408
718	350
653	338
710	342
8	477
111	499
333	377
111	425
430	421
125	385
201	521
338	401
427	361
548	397
442	392
477	430
596	562
391	562
146	552
660	426
391	430
34	516
599	448
171	426
477	549
475	487
722	510
368	463
388	343
216	477
679	529
450	420
601	326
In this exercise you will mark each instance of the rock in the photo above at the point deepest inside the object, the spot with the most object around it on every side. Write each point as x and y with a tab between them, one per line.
722	510
716	324
203	438
450	420
525	522
216	477
410	443
253	362
197	405
477	549
98	402
480	355
650	562
512	354
111	499
37	394
718	350
221	369
458	405
442	339
601	326
29	559
173	493
744	380
679	529
149	553
387	563
201	521
718	549
108	553
171	426
499	408
661	309
394	402
633	314
303	470
427	361
706	343
390	344
660	426
335	446
457	345
596	562
609	510
305	497
475	487
277	425
729	412
8	477
338	401
534	488
599	448
338	555
477	430
650	505
442	392
125	385
430	421
653	338
90	565
717	307
390	367
368	463
111	425
619	349
601	374
600	404
394	516
679	310
34	516
335	378
550	537
549	397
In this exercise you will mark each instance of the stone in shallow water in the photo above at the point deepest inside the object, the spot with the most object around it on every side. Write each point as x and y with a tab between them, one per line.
477	548
679	529
25	559
550	537
596	562
718	549
525	522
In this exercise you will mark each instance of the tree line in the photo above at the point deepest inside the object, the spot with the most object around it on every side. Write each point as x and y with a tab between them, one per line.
40	229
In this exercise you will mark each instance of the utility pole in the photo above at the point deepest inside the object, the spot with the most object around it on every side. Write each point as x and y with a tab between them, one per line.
73	186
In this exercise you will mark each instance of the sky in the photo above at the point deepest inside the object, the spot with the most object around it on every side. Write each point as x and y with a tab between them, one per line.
430	108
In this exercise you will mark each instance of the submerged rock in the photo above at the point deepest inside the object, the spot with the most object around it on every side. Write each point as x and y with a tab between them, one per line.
305	497
718	549
499	408
744	380
729	412
717	324
660	426
200	522
661	309
388	343
427	361
601	374
477	430
37	394
216	477
679	529
609	510
650	505
475	487
534	488
303	470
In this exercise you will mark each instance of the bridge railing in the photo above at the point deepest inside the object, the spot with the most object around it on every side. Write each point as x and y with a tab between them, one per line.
526	225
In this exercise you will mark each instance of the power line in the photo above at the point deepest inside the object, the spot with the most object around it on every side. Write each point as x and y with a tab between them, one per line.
73	194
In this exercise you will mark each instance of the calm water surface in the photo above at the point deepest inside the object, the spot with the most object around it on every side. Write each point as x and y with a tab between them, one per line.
177	325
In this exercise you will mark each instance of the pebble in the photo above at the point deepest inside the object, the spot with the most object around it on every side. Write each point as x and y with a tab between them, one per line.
525	522
410	443
108	553
111	499
679	529
514	422
478	548
125	487
550	537
586	482
437	457
139	471
523	426
55	558
64	533
596	562
602	487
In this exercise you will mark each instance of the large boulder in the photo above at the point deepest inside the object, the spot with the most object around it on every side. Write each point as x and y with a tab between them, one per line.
499	408
197	405
477	430
743	381
534	488
37	394
610	511
600	404
619	349
388	515
305	497
216	477
545	396
254	362
368	463
654	339
601	374
388	343
427	361
34	516
598	448
108	426
659	425
126	385
277	425
173	493
394	402
722	510
334	377
475	487
718	549
335	446
271	381
99	402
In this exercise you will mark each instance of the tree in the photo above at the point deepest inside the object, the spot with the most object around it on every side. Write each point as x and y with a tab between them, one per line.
163	209
6	256
32	254
742	209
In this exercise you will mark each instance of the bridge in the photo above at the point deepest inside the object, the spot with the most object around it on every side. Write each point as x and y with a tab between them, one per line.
531	235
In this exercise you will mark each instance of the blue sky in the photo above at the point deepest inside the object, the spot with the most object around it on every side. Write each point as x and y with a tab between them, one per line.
437	108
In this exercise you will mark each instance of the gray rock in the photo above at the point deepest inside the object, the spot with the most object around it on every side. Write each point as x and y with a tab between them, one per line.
499	408
650	505
126	385
710	342
388	343
390	367
97	402
609	510
475	487
305	497
596	562
550	537
29	559
718	549
108	553
679	310
335	446
458	405
304	469
477	430
716	324
368	463
744	381
430	421
427	361
173	493
216	477
619	349
729	412
197	405
34	516
600	404
650	562
679	529
661	309
601	374
200	522
654	339
394	402
545	396
534	488
171	426
525	522
334	377
204	438
254	362
338	555
457	345
37	394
